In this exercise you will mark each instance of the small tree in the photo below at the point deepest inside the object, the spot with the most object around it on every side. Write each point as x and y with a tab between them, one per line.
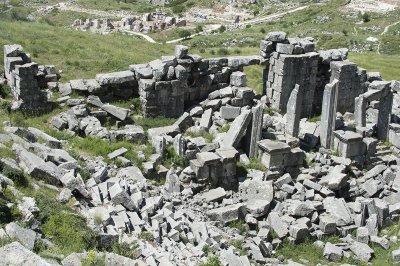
366	17
222	29
199	28
184	34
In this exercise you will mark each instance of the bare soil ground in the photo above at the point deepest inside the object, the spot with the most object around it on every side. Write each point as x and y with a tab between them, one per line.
373	5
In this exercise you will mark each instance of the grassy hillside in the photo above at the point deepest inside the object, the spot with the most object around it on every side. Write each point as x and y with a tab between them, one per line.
79	54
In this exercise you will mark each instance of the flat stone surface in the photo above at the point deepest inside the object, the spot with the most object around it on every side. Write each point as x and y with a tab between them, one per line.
272	146
117	153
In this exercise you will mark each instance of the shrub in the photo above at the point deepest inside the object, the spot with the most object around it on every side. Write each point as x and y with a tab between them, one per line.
345	32
199	28
223	51
4	90
171	157
184	34
93	259
211	261
366	17
17	176
240	225
222	29
5	212
206	249
238	51
262	30
69	231
202	50
147	236
124	249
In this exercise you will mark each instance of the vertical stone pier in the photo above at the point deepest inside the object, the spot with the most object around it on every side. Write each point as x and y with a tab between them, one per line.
328	116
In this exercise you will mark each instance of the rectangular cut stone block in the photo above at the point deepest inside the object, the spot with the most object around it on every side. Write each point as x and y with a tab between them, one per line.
328	116
253	134
294	111
237	130
349	144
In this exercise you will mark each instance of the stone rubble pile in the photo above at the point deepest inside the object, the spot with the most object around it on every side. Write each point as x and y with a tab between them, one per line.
313	179
146	23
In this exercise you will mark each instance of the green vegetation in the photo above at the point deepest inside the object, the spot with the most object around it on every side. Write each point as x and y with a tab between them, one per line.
238	244
209	137
93	259
125	249
254	164
224	128
254	78
17	176
239	225
150	122
76	53
69	231
314	119
147	236
388	66
206	249
211	261
172	158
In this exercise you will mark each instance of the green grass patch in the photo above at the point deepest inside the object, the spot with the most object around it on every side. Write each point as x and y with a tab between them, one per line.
388	66
211	261
254	76
172	158
69	231
209	137
151	122
78	54
240	225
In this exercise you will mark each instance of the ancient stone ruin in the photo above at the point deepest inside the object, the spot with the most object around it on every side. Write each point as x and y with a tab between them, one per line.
306	178
26	80
146	23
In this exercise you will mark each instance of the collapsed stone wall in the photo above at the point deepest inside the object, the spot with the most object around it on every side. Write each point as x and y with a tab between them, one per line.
168	85
165	86
26	79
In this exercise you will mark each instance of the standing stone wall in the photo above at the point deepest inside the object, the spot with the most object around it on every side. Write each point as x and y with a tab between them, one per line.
285	71
26	80
352	83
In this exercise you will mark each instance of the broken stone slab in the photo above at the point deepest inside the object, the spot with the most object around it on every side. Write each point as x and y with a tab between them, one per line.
37	167
227	214
16	254
238	79
293	114
279	226
120	196
336	179
214	195
258	207
230	112
237	130
206	119
184	121
276	36
117	153
362	251
172	182
112	259
94	100
115	77
338	210
51	142
333	252
118	112
73	182
25	236
181	51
